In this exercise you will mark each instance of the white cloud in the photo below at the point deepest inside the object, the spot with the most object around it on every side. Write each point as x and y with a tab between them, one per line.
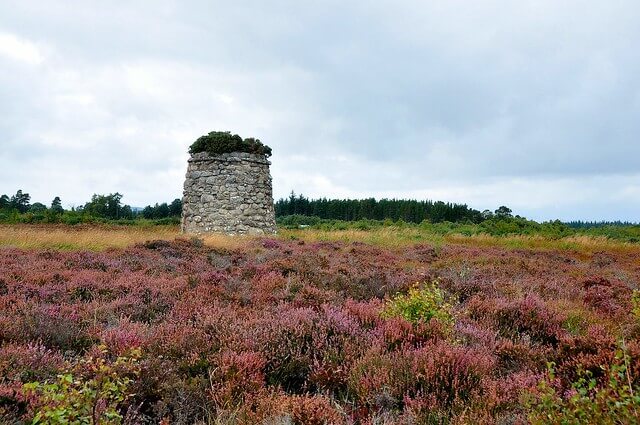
19	49
225	99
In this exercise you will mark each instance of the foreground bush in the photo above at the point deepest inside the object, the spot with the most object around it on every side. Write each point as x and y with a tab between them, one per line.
420	304
615	399
95	392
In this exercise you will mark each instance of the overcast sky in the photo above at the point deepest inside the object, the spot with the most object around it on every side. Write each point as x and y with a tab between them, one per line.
530	104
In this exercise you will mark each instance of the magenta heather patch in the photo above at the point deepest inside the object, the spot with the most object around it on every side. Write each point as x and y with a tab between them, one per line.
280	330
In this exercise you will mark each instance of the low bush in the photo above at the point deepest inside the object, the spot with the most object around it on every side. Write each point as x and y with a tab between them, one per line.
615	399
635	300
420	304
95	392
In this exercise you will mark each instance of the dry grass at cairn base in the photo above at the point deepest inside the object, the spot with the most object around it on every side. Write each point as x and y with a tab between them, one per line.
98	238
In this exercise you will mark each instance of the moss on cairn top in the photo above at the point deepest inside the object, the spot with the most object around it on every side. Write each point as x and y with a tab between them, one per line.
219	142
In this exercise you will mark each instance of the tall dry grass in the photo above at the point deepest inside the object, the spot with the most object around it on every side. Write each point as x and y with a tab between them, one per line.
398	237
99	238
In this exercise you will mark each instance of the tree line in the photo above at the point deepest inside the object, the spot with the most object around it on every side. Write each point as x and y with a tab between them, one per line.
579	224
408	210
299	210
18	208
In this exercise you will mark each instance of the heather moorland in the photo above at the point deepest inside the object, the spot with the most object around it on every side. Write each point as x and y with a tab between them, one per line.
311	327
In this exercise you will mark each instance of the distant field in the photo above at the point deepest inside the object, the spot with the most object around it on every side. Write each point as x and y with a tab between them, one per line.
405	236
101	237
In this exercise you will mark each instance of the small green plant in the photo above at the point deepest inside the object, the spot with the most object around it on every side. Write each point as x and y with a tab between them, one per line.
575	323
635	301
91	394
615	401
420	304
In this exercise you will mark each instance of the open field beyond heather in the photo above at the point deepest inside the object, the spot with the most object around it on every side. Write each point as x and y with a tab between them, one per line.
102	237
387	326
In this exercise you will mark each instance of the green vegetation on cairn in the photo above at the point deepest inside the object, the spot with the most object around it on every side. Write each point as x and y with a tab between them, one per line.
218	142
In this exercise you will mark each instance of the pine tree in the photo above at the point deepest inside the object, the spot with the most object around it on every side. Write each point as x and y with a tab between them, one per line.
56	206
20	201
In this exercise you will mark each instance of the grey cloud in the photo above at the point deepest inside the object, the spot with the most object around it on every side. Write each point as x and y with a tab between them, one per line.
414	96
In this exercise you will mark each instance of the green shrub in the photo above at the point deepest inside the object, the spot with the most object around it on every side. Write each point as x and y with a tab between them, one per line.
575	323
635	300
420	304
218	142
93	394
615	401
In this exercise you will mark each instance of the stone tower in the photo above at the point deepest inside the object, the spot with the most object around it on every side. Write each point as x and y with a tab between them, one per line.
228	193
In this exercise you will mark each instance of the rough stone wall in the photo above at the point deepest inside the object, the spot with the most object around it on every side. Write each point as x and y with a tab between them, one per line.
228	193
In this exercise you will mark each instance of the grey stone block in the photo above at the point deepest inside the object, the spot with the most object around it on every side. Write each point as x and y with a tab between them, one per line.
229	193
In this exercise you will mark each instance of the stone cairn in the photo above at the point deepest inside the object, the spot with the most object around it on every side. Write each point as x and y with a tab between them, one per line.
228	193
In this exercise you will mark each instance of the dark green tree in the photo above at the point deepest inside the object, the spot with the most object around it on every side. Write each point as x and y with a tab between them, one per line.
37	207
162	210
20	201
148	212
126	212
175	208
106	206
503	212
56	206
4	202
